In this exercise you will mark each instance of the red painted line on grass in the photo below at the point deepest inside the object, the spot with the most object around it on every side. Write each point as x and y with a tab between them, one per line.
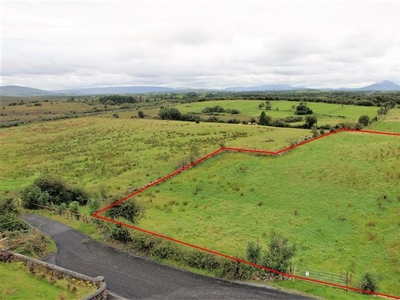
98	216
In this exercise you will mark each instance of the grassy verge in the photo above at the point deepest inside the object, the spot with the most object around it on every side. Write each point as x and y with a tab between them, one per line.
18	283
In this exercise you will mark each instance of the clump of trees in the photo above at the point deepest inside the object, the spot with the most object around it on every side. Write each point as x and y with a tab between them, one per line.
117	99
48	190
220	109
302	109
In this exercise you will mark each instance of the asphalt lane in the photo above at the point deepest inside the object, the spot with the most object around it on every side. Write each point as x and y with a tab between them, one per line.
139	278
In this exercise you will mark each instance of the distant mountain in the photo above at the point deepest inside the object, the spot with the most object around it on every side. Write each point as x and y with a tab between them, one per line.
21	91
115	90
381	86
265	87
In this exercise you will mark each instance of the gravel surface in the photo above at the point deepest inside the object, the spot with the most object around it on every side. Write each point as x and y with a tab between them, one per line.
139	278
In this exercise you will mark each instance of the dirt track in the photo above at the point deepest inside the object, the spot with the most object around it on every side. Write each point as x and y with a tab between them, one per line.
139	278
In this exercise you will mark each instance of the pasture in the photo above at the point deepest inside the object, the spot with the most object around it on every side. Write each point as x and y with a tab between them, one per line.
111	156
338	198
327	114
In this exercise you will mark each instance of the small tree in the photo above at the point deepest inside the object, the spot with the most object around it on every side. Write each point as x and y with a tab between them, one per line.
141	114
264	119
279	253
369	283
364	120
310	121
253	252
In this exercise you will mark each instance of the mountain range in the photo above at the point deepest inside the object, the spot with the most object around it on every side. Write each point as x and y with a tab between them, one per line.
21	91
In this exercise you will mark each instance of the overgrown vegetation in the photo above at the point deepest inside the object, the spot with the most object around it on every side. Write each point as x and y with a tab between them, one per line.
48	190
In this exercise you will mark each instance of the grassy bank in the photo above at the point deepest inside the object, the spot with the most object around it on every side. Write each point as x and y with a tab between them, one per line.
14	276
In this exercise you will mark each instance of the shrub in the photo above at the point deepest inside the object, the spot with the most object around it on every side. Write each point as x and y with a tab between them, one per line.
74	209
369	283
128	209
31	196
10	222
253	252
364	120
119	233
7	206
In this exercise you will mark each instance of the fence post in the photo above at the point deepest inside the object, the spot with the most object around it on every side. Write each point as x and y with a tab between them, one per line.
347	280
294	272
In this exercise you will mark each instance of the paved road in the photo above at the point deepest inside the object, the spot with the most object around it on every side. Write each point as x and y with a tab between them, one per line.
138	278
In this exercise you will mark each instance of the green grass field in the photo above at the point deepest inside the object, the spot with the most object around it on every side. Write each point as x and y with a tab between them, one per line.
337	198
113	155
14	276
327	114
334	184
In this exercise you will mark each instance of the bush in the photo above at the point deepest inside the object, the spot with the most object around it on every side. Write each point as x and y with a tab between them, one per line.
10	222
7	206
253	252
46	189
74	209
364	120
119	233
128	209
369	283
94	205
32	195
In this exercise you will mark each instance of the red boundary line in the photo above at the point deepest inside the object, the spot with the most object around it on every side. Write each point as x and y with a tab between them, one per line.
222	149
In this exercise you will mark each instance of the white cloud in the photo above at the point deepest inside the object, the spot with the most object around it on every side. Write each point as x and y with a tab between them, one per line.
57	44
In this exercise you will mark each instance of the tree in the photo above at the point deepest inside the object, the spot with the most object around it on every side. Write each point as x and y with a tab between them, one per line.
141	114
169	114
369	283
279	253
310	121
264	119
268	105
364	120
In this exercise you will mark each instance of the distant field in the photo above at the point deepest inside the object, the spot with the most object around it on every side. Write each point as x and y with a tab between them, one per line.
337	198
391	122
43	108
110	155
330	114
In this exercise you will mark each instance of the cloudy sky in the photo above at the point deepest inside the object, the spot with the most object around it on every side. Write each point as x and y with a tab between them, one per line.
190	43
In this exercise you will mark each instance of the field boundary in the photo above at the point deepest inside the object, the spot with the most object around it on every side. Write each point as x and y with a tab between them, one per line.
233	149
